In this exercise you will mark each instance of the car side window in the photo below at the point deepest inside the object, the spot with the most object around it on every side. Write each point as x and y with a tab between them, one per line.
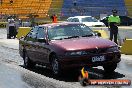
41	33
69	20
32	35
75	20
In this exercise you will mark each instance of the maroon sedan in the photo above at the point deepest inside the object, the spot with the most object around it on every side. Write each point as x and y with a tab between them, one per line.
62	46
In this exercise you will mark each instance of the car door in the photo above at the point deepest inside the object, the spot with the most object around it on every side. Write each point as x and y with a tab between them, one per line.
30	43
42	51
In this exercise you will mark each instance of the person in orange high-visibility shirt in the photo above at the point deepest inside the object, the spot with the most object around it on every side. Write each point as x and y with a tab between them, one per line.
54	18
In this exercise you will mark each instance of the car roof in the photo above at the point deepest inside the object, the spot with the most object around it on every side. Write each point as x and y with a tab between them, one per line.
80	16
62	23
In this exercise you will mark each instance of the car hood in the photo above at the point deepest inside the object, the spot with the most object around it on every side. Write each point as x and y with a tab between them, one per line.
94	23
83	43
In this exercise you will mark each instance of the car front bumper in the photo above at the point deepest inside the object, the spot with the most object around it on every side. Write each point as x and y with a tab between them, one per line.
81	61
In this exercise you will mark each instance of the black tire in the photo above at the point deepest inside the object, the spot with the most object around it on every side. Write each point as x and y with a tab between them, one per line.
8	37
55	65
27	62
110	67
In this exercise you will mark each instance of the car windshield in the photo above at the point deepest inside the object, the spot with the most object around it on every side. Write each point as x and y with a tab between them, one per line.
89	19
69	31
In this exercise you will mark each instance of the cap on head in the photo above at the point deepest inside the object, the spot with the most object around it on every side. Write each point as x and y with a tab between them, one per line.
114	11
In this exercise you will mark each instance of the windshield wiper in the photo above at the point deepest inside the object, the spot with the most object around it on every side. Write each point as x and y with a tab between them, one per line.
69	37
87	35
58	39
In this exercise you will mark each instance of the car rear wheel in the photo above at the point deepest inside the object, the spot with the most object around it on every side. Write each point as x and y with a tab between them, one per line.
27	62
110	67
55	65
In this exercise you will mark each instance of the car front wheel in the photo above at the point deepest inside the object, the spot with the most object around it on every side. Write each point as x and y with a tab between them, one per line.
55	65
27	62
110	67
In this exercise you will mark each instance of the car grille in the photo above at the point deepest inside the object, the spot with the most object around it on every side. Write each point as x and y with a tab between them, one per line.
96	51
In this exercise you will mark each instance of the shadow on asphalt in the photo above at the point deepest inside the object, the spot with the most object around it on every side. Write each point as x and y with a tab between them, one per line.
72	76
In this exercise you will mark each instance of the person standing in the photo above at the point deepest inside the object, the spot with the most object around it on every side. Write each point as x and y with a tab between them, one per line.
12	28
54	18
113	22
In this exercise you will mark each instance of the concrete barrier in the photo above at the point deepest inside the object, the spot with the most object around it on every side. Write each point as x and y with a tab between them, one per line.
23	31
127	47
103	33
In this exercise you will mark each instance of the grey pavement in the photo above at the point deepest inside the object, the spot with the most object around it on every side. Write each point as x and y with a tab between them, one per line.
10	43
11	78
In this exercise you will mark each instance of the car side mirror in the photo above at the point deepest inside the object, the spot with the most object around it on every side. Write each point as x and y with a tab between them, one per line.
42	40
21	37
98	34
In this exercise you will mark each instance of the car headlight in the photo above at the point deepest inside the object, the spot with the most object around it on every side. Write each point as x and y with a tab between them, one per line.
74	53
112	49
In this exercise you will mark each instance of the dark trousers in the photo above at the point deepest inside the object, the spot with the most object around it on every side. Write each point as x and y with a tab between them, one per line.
113	33
12	31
